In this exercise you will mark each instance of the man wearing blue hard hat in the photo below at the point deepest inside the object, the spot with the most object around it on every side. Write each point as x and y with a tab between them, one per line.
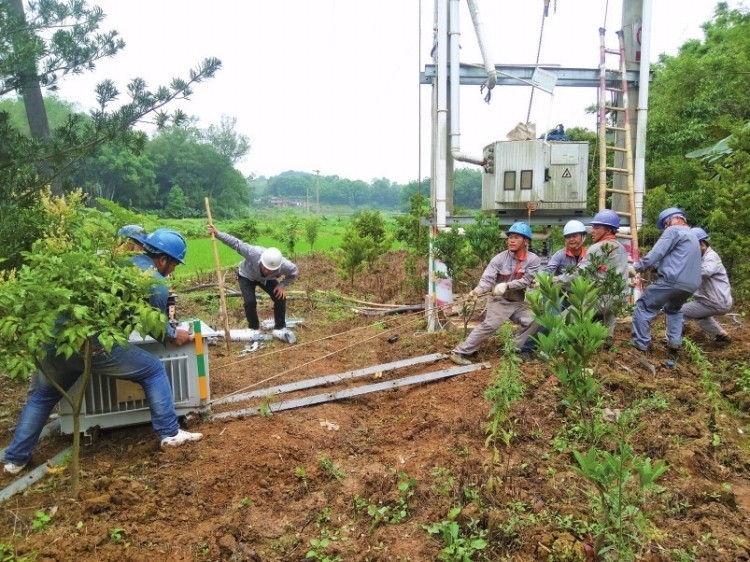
505	279
163	249
676	257
606	247
134	236
714	296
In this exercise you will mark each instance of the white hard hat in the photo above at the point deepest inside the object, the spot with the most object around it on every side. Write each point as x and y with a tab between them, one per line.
271	258
574	227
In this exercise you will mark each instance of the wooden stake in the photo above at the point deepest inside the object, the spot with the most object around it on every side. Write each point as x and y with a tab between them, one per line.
220	279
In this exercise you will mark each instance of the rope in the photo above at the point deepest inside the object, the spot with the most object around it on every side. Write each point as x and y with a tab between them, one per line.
418	315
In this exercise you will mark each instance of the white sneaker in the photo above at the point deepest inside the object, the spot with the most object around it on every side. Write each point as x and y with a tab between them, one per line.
13	468
285	334
181	438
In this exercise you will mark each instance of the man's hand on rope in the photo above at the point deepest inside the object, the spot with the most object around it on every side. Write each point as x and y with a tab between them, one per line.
500	289
471	297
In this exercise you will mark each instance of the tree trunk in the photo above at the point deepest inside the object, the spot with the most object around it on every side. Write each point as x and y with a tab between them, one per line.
33	100
76	402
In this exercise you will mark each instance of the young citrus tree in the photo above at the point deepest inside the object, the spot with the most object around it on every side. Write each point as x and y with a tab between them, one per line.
73	292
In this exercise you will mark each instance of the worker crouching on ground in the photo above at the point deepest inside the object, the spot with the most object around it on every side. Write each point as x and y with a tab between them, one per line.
506	278
714	296
676	256
163	250
265	268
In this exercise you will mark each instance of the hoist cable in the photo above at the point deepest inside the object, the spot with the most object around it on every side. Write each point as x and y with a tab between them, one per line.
538	53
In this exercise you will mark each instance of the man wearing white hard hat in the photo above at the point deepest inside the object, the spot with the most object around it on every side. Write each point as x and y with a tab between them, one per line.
562	261
268	269
570	256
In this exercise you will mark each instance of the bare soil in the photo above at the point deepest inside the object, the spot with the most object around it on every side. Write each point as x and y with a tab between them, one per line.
269	488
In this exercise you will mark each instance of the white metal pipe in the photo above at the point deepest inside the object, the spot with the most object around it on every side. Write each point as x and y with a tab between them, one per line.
639	175
489	64
438	187
34	475
441	169
455	66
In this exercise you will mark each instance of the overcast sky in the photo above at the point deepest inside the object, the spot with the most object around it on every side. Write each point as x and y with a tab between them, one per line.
333	85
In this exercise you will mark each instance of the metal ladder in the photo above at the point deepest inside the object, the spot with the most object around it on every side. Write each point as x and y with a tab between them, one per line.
616	178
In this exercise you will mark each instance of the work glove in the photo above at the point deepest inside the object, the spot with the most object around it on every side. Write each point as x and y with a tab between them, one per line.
500	289
631	271
534	284
471	297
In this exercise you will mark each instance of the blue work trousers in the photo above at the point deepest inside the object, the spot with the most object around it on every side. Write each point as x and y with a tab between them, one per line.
129	363
656	297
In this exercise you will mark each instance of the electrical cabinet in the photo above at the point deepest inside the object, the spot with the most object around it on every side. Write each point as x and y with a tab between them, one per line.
111	402
549	177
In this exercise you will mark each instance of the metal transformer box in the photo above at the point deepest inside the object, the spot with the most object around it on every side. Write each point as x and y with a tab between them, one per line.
550	176
111	402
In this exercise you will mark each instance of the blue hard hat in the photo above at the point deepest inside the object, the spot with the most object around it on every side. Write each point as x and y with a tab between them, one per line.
700	234
134	232
520	228
607	217
166	241
667	213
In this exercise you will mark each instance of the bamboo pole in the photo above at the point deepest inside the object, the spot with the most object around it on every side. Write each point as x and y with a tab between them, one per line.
220	279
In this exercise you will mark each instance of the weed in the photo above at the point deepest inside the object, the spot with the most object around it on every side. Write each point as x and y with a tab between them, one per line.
301	474
462	451
709	385
360	504
743	381
444	481
710	540
319	547
245	502
656	401
116	534
569	523
398	511
8	554
459	547
471	494
41	520
264	410
504	389
331	469
622	524
681	555
324	516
